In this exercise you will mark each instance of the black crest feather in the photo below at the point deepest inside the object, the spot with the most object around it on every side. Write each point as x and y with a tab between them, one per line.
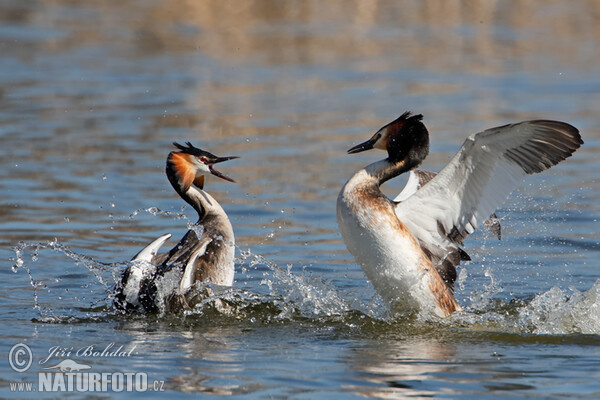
406	116
190	149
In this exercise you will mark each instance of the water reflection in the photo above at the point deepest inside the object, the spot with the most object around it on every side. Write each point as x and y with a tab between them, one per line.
207	355
211	363
398	368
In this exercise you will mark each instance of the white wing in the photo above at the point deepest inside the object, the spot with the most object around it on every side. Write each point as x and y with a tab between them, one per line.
148	252
189	272
142	268
478	179
416	179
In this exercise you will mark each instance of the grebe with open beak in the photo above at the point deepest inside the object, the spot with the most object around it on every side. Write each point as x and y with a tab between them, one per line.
409	247
204	254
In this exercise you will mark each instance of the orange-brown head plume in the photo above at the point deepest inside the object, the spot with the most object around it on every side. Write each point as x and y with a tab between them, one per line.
189	165
184	169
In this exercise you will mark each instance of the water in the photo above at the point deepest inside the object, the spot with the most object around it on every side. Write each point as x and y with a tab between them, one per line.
93	95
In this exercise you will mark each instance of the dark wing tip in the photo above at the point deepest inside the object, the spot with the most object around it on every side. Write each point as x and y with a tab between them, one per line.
549	143
492	224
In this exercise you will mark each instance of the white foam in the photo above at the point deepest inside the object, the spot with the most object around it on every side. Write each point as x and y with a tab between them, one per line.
559	311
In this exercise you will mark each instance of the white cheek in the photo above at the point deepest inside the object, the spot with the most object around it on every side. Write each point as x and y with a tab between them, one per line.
381	142
201	167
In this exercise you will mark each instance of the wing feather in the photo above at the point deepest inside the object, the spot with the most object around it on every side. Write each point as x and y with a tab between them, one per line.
479	177
189	272
149	252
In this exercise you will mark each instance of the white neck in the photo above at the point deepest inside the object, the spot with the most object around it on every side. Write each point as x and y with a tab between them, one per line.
378	172
205	201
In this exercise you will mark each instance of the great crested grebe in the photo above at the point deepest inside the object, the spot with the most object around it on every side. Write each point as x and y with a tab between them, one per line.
204	254
409	247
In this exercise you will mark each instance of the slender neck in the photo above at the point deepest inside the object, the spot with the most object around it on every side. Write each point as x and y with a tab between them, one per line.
384	170
201	201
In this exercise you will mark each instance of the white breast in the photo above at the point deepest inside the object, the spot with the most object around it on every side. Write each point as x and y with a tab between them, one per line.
390	257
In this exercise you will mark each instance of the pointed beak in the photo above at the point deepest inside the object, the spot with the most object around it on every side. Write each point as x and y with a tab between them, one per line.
221	159
217	173
368	145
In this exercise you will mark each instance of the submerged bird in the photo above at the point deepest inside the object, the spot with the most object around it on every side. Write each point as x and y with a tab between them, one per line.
204	254
409	247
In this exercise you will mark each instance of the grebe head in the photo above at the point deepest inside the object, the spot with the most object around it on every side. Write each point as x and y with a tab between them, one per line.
404	139
190	164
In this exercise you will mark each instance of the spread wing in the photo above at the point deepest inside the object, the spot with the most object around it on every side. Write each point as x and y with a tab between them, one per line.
419	177
478	179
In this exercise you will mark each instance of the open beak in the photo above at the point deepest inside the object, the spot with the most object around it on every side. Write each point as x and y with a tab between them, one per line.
217	173
368	145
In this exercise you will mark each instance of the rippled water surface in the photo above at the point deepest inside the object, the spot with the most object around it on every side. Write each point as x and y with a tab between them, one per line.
93	93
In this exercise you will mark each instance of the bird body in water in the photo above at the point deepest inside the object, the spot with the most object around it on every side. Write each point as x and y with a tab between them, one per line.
204	254
409	247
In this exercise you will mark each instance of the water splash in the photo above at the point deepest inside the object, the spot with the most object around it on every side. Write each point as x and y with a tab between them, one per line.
157	211
97	268
483	299
75	294
559	311
289	296
554	312
286	295
308	295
